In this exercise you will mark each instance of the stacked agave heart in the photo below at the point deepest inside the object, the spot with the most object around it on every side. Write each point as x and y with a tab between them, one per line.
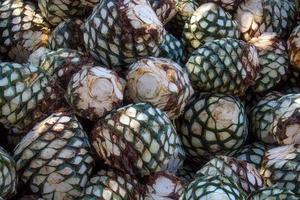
149	99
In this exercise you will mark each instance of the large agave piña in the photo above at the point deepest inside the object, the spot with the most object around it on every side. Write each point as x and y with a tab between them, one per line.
213	187
207	23
273	60
54	158
138	139
27	95
56	11
68	34
8	175
161	82
112	185
94	91
294	47
212	124
244	174
226	65
120	32
258	16
22	30
280	167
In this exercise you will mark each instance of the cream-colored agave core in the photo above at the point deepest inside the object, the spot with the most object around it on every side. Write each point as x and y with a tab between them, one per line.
95	91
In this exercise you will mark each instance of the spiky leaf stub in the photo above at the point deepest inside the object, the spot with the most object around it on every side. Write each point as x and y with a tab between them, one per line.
213	187
226	66
8	175
22	30
56	11
54	158
207	23
138	139
273	193
258	16
112	185
173	49
244	174
68	34
252	153
161	82
27	95
120	32
294	47
63	63
164	9
163	185
280	167
212	124
273	60
94	92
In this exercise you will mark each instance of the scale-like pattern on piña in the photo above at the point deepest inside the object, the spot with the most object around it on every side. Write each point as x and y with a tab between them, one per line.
54	158
252	153
280	167
138	139
212	124
273	193
8	175
273	60
213	187
56	11
68	34
121	32
207	23
245	175
22	30
258	16
226	66
27	95
113	185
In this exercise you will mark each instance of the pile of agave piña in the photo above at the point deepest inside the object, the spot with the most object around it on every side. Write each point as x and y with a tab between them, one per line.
150	99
